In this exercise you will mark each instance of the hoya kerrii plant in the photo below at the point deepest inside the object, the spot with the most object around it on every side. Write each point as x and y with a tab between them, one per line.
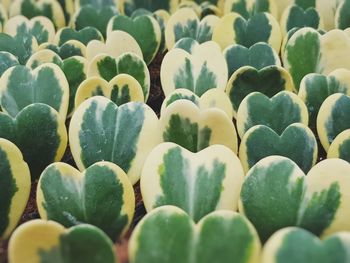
97	4
129	6
102	131
81	243
15	187
68	49
342	16
248	8
84	35
221	236
198	183
8	61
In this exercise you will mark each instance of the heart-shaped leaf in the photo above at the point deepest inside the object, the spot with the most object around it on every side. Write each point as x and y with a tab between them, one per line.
174	234
88	16
107	67
97	4
69	49
316	88
7	60
199	183
340	147
84	35
121	89
200	71
296	142
83	243
129	6
185	124
117	43
102	131
277	113
248	8
22	46
305	4
32	8
39	132
20	87
296	17
333	118
15	187
44	56
69	197
297	245
307	51
342	17
258	56
144	29
213	98
185	23
234	29
269	81
317	202
40	27
162	17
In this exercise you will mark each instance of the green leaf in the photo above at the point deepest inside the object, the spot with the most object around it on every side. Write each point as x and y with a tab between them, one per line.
340	147
69	49
7	60
342	19
129	6
102	131
84	35
248	8
69	197
175	237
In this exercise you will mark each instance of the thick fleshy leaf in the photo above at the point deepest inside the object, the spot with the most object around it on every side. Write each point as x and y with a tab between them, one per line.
32	8
39	132
88	16
340	147
121	89
102	131
185	124
22	46
297	245
234	29
175	238
199	183
20	87
296	17
67	196
39	27
213	98
162	17
307	51
97	4
185	23
258	56
205	68
277	113
68	8
54	243
129	6
117	43
342	17
7	60
44	56
15	187
269	81
3	14
144	29
69	49
327	10
296	142
107	67
248	8
333	118
316	88
84	35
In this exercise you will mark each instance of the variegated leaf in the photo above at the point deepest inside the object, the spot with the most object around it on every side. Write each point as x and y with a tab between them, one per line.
20	86
277	113
185	124
234	29
200	71
97	4
342	17
39	132
269	81
15	187
248	8
129	6
70	197
100	130
297	245
296	142
315	88
69	49
40	27
82	243
340	147
7	60
121	89
178	239
144	29
108	67
84	35
199	183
